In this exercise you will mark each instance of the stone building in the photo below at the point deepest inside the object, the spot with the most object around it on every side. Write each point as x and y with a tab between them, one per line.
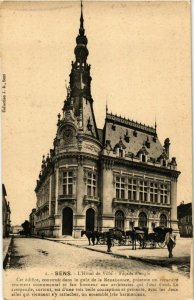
184	212
120	175
32	220
6	212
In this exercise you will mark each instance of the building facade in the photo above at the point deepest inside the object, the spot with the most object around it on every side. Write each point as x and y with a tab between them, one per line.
6	212
184	212
120	175
32	220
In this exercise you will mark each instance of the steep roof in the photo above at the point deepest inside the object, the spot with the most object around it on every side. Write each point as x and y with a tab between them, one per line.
136	137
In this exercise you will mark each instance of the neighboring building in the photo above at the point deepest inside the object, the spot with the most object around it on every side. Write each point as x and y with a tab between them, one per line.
184	212
16	229
6	213
93	178
32	220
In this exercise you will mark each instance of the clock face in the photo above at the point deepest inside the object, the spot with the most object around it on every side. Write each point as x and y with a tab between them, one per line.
68	134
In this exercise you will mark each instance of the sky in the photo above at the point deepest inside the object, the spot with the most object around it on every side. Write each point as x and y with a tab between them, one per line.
140	56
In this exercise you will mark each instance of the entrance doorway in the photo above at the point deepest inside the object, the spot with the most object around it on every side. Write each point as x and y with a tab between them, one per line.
90	219
67	221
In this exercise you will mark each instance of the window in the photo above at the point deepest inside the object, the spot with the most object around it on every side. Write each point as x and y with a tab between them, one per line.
67	183
163	194
143	158
120	187
91	184
132	189
142	220
143	191
163	220
120	152
119	219
153	192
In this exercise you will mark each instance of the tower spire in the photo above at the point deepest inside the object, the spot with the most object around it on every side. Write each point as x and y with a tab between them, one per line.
81	29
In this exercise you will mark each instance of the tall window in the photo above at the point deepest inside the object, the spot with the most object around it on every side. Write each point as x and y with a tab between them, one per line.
67	183
163	194
132	189
163	220
153	192
120	187
120	152
119	219
143	190
142	220
91	184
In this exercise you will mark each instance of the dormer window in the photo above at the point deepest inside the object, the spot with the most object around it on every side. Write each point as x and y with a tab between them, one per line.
143	158
120	152
119	148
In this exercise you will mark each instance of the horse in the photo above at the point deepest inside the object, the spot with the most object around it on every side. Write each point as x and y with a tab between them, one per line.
137	234
91	236
132	234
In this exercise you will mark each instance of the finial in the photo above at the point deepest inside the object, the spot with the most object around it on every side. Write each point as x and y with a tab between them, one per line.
106	105
155	124
81	30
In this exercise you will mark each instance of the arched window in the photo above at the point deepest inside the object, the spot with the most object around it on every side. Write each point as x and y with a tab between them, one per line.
163	220
119	219
142	220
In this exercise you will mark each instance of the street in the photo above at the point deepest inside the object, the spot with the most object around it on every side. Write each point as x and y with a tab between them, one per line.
36	261
31	252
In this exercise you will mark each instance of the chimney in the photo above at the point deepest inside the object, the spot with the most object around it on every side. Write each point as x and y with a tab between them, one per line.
167	146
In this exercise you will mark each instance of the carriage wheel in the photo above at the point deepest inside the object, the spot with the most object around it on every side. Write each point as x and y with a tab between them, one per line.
102	241
161	244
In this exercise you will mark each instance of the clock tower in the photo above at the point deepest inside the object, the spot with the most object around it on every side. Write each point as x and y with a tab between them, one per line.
78	111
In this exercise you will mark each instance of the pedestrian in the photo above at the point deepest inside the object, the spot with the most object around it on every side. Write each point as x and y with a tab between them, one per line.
170	241
109	242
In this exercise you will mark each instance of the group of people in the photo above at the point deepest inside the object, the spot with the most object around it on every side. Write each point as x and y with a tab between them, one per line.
170	241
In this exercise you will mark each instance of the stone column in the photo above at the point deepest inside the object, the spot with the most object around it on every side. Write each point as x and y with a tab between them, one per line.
79	218
107	195
173	197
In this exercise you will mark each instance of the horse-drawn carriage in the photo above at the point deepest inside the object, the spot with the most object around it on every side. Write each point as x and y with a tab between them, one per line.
139	235
157	237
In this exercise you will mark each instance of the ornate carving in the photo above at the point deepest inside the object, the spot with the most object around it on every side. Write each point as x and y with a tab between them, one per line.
92	148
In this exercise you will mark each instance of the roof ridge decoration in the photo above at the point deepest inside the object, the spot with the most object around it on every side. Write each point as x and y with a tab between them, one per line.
131	124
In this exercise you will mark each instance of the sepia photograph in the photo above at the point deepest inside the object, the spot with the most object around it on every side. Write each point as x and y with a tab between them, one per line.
96	109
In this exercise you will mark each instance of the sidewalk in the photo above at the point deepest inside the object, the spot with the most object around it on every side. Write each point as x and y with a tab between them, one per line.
157	256
6	245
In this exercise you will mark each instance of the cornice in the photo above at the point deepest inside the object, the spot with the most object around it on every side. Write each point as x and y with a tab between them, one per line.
139	166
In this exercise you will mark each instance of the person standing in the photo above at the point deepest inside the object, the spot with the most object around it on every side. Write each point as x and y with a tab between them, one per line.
109	241
170	241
